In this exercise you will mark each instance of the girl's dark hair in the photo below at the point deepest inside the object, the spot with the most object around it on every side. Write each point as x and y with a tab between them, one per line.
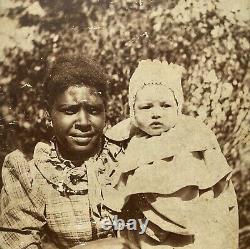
69	70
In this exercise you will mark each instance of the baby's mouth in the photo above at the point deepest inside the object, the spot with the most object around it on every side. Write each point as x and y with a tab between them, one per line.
156	125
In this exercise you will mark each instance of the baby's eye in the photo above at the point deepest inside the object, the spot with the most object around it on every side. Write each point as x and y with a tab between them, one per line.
166	105
145	107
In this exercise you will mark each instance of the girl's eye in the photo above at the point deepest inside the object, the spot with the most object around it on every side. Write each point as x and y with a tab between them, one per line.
70	111
94	110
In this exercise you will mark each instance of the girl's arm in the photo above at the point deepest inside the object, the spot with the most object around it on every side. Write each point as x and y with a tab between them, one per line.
21	211
107	244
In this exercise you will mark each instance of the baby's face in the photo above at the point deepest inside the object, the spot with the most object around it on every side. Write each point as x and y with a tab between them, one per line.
155	109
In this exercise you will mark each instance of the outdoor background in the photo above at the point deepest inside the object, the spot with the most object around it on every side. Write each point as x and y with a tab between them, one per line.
209	38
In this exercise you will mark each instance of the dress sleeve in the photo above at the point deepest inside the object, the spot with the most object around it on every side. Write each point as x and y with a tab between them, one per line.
21	209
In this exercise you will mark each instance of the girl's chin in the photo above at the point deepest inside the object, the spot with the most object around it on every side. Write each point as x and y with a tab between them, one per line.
78	153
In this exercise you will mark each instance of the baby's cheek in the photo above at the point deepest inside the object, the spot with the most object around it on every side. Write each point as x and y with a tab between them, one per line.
142	121
170	118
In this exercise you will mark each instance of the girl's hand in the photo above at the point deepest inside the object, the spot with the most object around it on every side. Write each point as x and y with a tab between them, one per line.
110	243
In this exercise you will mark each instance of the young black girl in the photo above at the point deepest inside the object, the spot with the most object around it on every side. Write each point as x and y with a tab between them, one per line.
55	193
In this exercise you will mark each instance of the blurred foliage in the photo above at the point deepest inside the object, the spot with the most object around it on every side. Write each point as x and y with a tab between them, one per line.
213	47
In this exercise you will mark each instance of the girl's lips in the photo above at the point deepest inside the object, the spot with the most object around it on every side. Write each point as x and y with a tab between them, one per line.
81	139
83	134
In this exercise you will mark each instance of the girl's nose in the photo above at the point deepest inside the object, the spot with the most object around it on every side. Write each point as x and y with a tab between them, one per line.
82	119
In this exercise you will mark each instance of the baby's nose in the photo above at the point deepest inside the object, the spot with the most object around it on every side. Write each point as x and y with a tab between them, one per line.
155	116
156	113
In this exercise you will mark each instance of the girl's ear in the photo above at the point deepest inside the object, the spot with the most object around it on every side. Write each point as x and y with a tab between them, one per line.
48	121
47	113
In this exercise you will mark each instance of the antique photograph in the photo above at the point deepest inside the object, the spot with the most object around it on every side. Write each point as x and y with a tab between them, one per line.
124	124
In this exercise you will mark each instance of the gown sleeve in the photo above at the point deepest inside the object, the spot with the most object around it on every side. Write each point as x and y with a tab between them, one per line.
21	210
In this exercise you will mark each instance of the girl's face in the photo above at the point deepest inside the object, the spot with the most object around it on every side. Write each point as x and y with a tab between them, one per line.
155	109
78	118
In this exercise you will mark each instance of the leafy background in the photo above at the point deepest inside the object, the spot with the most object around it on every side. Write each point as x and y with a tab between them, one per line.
211	39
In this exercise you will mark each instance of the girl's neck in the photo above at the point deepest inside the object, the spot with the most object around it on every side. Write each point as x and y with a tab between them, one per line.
77	158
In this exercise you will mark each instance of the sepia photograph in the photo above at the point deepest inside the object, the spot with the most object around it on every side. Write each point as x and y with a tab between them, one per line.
124	124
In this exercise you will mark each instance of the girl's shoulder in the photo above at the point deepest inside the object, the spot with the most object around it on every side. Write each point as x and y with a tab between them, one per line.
20	166
17	161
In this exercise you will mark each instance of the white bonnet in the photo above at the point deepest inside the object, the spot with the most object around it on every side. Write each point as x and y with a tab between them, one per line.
156	72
